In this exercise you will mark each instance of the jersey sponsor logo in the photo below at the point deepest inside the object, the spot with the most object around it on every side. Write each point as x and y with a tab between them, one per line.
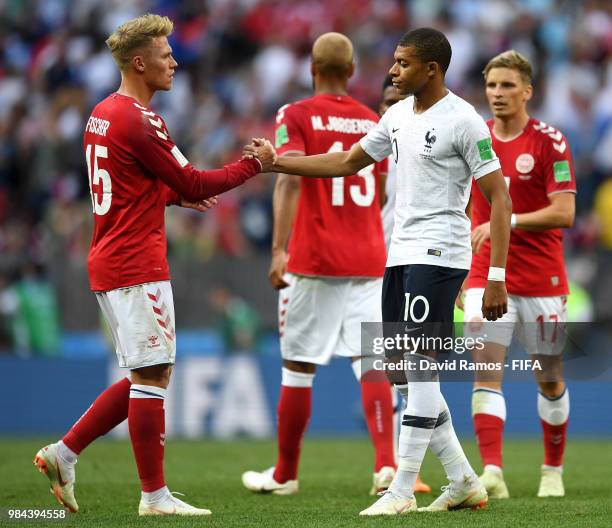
525	163
394	130
485	149
562	171
434	252
344	125
282	136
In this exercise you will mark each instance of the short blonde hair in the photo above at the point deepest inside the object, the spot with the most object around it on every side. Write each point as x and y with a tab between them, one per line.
513	60
136	33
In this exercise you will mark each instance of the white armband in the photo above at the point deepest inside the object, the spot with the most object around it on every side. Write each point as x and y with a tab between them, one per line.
513	221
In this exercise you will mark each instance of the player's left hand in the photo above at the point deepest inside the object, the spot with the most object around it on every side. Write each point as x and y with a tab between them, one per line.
480	235
202	205
494	300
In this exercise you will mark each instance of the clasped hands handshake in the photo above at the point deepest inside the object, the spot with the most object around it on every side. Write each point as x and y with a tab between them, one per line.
262	150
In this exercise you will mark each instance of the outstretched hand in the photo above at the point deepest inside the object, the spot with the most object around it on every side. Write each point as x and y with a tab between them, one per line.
262	150
202	205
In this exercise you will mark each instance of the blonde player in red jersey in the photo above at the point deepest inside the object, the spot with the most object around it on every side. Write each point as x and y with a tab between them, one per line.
135	171
537	164
330	276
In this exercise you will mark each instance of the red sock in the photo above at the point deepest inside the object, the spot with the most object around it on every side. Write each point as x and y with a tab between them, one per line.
554	443
108	410
293	415
146	423
377	403
489	435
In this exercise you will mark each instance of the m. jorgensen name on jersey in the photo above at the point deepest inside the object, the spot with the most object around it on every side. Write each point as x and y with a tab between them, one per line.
342	124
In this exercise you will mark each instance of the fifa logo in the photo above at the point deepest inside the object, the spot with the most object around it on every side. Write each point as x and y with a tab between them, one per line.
430	139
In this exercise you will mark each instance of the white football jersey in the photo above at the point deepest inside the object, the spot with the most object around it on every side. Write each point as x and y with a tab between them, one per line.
435	153
388	210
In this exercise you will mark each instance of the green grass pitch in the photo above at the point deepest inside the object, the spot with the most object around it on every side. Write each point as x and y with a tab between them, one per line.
334	478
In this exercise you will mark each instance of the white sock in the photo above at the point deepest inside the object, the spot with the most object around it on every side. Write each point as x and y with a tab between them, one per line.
488	401
445	444
418	423
554	411
151	497
66	454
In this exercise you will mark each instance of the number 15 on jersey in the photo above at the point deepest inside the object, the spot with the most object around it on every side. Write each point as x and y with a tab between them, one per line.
98	176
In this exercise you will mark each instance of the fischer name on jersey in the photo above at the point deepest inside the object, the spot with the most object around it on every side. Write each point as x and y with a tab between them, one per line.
536	164
337	230
135	170
435	154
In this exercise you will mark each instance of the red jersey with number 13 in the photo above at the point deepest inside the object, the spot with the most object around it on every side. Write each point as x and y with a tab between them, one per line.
338	229
536	164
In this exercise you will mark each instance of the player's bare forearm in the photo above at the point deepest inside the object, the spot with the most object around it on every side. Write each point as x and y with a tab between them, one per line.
495	190
559	214
382	189
285	198
330	165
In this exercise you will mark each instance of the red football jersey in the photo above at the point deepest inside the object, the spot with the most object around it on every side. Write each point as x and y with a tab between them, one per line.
337	230
536	164
135	170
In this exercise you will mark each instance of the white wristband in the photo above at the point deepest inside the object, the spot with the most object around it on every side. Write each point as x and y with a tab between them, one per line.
513	221
497	274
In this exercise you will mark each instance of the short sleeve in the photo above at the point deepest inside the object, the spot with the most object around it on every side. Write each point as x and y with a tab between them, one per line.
473	142
557	164
377	142
289	134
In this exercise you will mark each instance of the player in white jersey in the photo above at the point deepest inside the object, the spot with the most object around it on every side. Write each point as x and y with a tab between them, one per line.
438	143
390	96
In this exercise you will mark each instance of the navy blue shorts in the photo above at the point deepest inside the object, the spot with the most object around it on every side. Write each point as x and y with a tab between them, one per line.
420	293
420	297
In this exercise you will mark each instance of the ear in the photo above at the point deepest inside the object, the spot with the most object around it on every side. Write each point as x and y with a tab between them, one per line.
138	63
528	92
351	70
432	69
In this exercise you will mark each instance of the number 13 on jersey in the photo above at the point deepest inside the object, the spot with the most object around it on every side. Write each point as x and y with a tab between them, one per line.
359	198
98	176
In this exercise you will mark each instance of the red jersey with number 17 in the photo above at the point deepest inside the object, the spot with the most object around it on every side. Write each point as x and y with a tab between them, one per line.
337	230
536	165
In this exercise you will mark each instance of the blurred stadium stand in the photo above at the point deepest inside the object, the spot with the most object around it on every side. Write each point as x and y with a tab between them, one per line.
239	60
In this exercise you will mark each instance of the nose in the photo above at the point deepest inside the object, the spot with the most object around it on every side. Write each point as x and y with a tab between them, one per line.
393	70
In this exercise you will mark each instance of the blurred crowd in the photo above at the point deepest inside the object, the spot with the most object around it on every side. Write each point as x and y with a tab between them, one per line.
239	60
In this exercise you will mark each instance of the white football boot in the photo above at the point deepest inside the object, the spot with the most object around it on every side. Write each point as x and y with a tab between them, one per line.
169	505
492	479
60	473
551	482
263	482
381	480
459	495
390	504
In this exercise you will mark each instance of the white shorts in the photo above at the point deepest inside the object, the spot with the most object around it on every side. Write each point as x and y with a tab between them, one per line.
141	320
321	317
538	318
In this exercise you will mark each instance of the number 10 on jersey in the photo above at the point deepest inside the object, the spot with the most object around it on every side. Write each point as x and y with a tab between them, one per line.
98	176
